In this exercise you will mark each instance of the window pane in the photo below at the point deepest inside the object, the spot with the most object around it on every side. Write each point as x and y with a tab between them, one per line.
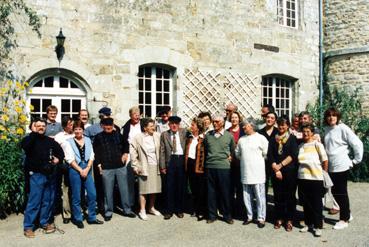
45	104
166	74
147	98
166	99
63	82
148	72
159	85
159	73
293	23
73	85
35	115
65	115
65	105
148	111
36	103
76	105
38	84
265	92
287	93
147	84
140	84
166	86
158	98
140	72
44	116
140	98
288	22
141	108
49	81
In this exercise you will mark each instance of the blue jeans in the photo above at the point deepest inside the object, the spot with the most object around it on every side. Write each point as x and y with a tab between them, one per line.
76	181
40	200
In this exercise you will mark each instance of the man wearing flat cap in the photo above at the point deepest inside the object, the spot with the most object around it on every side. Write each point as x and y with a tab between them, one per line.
108	148
172	146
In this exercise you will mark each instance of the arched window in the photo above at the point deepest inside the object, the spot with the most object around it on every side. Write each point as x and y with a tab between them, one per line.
155	85
278	91
65	93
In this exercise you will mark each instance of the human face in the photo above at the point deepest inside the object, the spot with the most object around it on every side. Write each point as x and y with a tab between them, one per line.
164	117
218	125
270	120
51	116
295	123
307	135
150	129
264	111
40	127
305	119
194	128
282	128
332	120
173	126
207	122
108	128
235	120
78	132
135	118
248	129
69	127
83	116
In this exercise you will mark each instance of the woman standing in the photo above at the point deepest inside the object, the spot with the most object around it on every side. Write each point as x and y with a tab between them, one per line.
237	192
339	138
194	166
251	150
144	150
312	161
282	155
80	156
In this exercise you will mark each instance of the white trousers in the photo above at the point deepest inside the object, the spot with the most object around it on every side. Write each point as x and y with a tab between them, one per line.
257	192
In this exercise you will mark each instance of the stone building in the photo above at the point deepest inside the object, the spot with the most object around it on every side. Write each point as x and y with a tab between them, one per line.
346	39
191	54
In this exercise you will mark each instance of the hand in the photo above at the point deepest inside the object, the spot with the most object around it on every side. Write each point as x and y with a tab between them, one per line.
276	167
163	170
278	175
124	158
84	173
230	158
100	169
55	160
137	171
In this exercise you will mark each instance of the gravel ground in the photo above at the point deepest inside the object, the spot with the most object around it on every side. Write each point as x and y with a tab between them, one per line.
122	231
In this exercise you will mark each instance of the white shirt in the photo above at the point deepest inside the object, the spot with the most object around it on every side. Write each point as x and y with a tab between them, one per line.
134	130
251	150
178	144
219	134
337	140
62	138
192	148
149	145
70	155
227	125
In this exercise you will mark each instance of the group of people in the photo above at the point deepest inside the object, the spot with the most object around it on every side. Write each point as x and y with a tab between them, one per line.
224	163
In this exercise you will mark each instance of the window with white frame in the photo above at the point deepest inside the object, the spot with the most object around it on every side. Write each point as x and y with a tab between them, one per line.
287	13
277	92
56	90
154	89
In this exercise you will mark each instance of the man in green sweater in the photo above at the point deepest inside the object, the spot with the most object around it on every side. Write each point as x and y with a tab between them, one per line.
219	147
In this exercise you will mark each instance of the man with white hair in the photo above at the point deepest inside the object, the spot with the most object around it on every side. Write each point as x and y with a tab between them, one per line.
230	108
219	147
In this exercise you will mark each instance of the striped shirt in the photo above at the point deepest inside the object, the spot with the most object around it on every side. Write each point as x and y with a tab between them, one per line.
311	155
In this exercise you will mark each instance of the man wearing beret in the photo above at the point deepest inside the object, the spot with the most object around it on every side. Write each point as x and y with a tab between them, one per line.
172	146
108	148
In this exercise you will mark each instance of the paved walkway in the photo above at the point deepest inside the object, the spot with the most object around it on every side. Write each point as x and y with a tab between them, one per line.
121	231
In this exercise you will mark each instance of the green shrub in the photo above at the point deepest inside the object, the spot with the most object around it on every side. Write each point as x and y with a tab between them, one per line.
348	103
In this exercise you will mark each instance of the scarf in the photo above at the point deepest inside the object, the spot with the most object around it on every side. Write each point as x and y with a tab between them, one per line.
281	140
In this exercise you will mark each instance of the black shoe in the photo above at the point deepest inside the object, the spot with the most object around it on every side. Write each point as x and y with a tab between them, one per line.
261	224
167	216
95	222
79	224
210	221
66	221
200	218
180	215
246	222
229	221
130	215
106	218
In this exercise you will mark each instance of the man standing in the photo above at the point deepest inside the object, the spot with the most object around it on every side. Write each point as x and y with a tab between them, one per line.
163	123
62	197
172	146
52	127
230	108
43	154
265	109
108	148
84	116
219	147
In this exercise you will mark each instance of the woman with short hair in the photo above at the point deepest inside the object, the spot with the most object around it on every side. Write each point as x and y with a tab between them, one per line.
338	140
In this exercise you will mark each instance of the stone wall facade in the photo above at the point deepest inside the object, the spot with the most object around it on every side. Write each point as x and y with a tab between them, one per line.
346	39
107	41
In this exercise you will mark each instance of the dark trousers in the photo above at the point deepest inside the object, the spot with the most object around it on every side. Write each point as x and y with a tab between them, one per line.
219	186
339	191
198	188
175	184
313	192
284	195
239	208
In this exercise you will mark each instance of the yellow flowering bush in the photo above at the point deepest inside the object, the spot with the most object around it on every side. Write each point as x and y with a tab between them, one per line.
13	124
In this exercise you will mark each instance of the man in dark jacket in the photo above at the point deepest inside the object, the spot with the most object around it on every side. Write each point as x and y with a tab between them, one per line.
108	148
43	155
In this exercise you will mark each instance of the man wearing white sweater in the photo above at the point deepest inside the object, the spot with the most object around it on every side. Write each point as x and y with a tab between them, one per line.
251	150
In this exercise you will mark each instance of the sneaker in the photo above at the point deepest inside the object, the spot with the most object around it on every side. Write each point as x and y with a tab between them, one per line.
351	218
317	232
29	233
49	228
305	229
154	212
142	215
340	225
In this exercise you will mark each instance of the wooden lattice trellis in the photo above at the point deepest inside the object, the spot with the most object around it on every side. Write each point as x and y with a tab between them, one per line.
206	91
